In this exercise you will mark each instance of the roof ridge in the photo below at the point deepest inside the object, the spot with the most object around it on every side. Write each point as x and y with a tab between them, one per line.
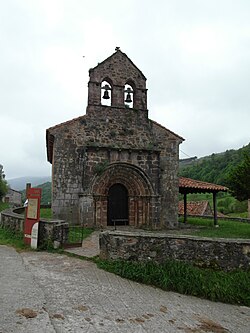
216	186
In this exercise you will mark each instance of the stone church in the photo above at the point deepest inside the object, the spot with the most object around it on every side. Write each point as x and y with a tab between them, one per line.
114	165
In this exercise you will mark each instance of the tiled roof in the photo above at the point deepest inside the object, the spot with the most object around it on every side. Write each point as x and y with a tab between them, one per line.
196	186
198	208
194	207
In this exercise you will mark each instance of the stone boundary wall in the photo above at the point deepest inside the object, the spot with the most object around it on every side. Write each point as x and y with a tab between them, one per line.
225	254
12	220
54	232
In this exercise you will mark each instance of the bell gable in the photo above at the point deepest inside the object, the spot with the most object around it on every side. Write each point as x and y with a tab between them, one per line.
125	83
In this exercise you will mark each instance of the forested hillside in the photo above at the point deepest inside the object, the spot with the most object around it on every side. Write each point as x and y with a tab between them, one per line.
216	167
19	184
46	193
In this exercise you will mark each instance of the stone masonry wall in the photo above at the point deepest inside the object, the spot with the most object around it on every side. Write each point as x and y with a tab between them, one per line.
118	70
11	220
50	231
54	232
92	142
13	197
80	148
226	254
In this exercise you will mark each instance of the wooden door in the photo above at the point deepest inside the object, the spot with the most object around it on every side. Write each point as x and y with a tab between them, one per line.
118	205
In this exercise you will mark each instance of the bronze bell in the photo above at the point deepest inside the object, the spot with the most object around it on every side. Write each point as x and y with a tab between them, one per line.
106	94
128	98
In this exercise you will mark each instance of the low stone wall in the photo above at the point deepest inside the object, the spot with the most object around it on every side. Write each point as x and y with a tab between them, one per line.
226	254
53	232
11	220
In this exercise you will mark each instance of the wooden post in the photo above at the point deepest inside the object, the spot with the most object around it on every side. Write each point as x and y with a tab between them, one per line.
28	185
185	207
215	209
248	208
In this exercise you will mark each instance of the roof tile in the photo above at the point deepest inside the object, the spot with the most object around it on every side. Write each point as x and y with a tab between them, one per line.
188	183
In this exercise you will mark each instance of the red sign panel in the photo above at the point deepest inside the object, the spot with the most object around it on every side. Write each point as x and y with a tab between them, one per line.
32	215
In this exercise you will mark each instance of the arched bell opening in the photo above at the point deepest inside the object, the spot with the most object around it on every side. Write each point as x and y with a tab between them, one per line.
128	96
106	93
118	210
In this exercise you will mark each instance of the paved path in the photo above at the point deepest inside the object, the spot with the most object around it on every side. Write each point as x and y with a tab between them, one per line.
20	297
65	294
90	246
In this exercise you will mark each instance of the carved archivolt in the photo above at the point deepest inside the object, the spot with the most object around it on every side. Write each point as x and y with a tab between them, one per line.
132	177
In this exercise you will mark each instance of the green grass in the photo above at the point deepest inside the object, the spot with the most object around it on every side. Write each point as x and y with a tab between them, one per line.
186	279
77	234
3	205
244	215
226	203
226	229
11	238
46	213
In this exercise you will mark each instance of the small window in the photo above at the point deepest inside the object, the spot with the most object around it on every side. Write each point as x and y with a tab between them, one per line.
106	92
128	96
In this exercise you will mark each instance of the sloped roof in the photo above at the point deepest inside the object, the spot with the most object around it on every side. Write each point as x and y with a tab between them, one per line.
50	137
166	129
66	123
194	207
197	208
188	185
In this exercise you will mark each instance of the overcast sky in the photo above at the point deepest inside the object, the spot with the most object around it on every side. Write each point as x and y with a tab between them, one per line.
194	53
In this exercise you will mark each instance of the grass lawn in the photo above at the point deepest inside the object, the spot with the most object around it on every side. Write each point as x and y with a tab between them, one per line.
226	229
3	205
244	215
46	213
8	237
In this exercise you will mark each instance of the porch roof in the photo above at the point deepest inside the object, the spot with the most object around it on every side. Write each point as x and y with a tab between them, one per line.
188	185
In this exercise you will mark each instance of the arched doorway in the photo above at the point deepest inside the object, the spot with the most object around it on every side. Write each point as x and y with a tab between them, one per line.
118	205
142	204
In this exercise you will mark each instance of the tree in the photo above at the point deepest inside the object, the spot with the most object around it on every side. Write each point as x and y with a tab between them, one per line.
3	183
239	181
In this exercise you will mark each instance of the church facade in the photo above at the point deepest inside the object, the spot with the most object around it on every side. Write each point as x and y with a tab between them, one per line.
114	165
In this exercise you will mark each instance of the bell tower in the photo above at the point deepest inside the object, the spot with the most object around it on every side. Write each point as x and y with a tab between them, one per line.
117	83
